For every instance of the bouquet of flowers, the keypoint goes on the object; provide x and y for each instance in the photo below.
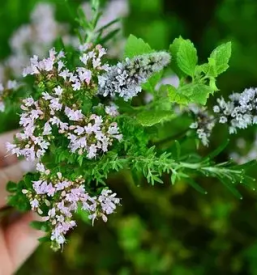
(84, 116)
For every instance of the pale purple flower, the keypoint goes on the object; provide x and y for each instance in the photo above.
(47, 129)
(92, 150)
(34, 204)
(50, 190)
(58, 91)
(74, 115)
(76, 86)
(112, 110)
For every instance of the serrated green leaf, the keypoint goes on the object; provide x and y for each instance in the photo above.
(174, 47)
(189, 93)
(176, 97)
(221, 56)
(150, 118)
(197, 93)
(136, 46)
(187, 57)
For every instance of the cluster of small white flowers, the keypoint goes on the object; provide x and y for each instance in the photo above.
(240, 111)
(31, 144)
(4, 90)
(92, 137)
(80, 78)
(87, 135)
(47, 65)
(71, 196)
(203, 125)
(125, 78)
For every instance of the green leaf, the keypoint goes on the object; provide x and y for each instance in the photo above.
(44, 239)
(231, 188)
(174, 47)
(20, 202)
(189, 93)
(178, 149)
(244, 166)
(187, 57)
(11, 187)
(100, 30)
(217, 151)
(136, 46)
(80, 160)
(173, 177)
(220, 58)
(177, 97)
(109, 36)
(198, 93)
(150, 118)
(152, 82)
(43, 226)
(196, 186)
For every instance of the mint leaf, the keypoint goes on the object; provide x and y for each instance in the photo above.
(209, 69)
(174, 48)
(187, 57)
(221, 56)
(152, 82)
(136, 46)
(150, 118)
(189, 93)
(177, 97)
(197, 93)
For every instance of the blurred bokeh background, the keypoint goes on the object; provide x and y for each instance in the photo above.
(162, 229)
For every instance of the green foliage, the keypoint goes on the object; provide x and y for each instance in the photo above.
(218, 61)
(186, 56)
(157, 230)
(136, 46)
(150, 118)
(203, 77)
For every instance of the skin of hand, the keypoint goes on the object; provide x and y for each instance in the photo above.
(17, 239)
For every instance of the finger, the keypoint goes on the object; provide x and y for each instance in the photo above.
(10, 173)
(21, 240)
(6, 159)
(6, 267)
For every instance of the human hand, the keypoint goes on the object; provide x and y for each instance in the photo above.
(17, 239)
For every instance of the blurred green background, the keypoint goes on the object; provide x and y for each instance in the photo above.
(165, 229)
